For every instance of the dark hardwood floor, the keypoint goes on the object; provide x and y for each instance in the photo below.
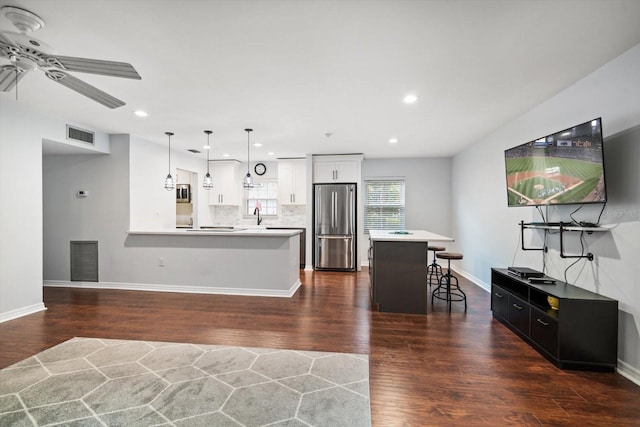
(439, 369)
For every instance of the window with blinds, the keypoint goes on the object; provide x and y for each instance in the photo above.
(384, 204)
(267, 195)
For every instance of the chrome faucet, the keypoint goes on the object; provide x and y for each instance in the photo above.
(256, 211)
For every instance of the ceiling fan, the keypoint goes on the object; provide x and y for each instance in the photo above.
(26, 54)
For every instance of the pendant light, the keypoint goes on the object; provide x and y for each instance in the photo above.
(207, 183)
(169, 183)
(247, 181)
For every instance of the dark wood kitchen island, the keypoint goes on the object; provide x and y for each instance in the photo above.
(397, 268)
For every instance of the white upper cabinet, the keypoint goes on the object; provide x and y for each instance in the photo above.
(226, 189)
(292, 182)
(337, 168)
(183, 176)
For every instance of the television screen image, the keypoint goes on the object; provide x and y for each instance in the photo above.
(566, 167)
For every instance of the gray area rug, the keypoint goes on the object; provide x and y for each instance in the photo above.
(102, 382)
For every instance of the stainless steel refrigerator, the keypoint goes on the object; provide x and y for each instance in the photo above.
(335, 227)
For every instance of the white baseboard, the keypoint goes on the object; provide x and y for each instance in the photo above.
(176, 288)
(24, 311)
(629, 372)
(475, 280)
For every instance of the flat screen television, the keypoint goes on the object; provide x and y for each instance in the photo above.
(566, 167)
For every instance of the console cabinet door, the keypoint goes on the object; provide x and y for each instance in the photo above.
(500, 302)
(519, 314)
(544, 331)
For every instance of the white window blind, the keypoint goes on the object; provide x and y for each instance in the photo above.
(384, 204)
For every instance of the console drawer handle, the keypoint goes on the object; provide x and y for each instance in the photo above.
(542, 323)
(498, 295)
(517, 306)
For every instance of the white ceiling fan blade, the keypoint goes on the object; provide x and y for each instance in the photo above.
(94, 66)
(8, 78)
(84, 89)
(5, 39)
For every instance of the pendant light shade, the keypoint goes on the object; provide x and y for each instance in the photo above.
(247, 181)
(169, 183)
(207, 182)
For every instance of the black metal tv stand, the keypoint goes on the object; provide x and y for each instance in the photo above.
(561, 227)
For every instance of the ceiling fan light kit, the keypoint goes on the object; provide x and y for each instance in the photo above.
(22, 19)
(20, 50)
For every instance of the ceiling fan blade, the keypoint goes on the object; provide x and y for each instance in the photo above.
(94, 66)
(8, 78)
(5, 39)
(84, 88)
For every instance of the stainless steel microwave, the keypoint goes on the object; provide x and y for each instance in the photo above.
(183, 193)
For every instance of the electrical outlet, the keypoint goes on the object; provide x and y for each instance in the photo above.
(161, 262)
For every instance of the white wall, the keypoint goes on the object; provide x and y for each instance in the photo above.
(22, 132)
(125, 192)
(487, 232)
(20, 214)
(427, 191)
(102, 216)
(153, 207)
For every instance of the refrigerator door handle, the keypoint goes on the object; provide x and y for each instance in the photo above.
(337, 216)
(351, 213)
(335, 237)
(333, 209)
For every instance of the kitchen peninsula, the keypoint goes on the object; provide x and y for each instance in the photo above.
(249, 261)
(397, 268)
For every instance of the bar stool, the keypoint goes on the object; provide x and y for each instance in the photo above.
(434, 270)
(447, 290)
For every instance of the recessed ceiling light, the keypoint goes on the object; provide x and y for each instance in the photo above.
(271, 153)
(206, 147)
(410, 98)
(141, 113)
(393, 140)
(225, 155)
(257, 144)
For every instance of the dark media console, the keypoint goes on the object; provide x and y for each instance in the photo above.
(581, 334)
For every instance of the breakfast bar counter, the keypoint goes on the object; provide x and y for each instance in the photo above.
(252, 261)
(397, 268)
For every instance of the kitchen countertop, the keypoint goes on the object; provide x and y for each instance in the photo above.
(240, 232)
(411, 236)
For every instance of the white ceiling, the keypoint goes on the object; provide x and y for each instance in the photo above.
(295, 70)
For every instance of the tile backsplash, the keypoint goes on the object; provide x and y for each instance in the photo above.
(290, 216)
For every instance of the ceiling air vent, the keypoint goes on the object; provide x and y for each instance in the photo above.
(193, 150)
(80, 135)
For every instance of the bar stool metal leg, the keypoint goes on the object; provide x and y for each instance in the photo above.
(449, 289)
(434, 270)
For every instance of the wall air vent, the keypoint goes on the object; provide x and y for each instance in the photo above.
(84, 261)
(80, 135)
(193, 150)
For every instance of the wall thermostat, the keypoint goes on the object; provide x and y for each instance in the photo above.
(82, 193)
